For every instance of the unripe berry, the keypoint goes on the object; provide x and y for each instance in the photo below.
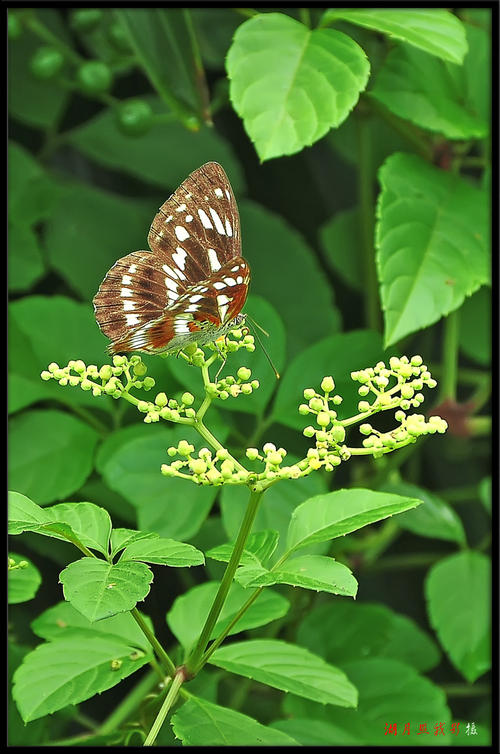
(94, 77)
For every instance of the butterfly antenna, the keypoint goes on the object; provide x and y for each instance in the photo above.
(254, 323)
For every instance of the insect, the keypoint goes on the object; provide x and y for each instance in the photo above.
(191, 285)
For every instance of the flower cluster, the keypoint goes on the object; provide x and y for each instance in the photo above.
(204, 467)
(231, 387)
(398, 385)
(106, 380)
(232, 342)
(330, 434)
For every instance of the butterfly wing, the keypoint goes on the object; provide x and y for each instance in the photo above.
(193, 276)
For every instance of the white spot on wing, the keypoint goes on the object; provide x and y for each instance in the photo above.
(181, 208)
(170, 271)
(179, 257)
(181, 232)
(195, 298)
(214, 260)
(229, 229)
(189, 218)
(239, 279)
(132, 319)
(125, 292)
(218, 223)
(205, 220)
(132, 268)
(127, 280)
(230, 281)
(222, 302)
(219, 286)
(128, 306)
(218, 192)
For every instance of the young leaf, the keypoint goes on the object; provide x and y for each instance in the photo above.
(70, 671)
(89, 522)
(259, 548)
(291, 84)
(424, 90)
(325, 517)
(98, 589)
(163, 552)
(48, 439)
(24, 514)
(458, 594)
(201, 723)
(434, 30)
(189, 611)
(432, 243)
(289, 668)
(23, 583)
(309, 572)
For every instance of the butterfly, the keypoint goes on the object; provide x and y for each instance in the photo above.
(191, 285)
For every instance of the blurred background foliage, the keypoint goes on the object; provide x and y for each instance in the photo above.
(109, 110)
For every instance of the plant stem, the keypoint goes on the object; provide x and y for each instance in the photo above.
(129, 704)
(367, 210)
(165, 660)
(194, 662)
(170, 699)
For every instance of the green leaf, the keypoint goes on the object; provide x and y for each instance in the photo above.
(201, 723)
(163, 552)
(62, 621)
(432, 243)
(99, 228)
(187, 615)
(24, 514)
(334, 514)
(70, 671)
(289, 668)
(32, 193)
(65, 330)
(388, 691)
(485, 493)
(342, 242)
(309, 572)
(343, 631)
(23, 583)
(98, 589)
(89, 522)
(291, 84)
(435, 519)
(420, 88)
(266, 316)
(162, 42)
(120, 538)
(263, 233)
(310, 732)
(337, 355)
(32, 101)
(146, 159)
(475, 326)
(51, 454)
(434, 30)
(130, 462)
(458, 594)
(26, 264)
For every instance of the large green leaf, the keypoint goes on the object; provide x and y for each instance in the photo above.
(45, 329)
(342, 241)
(432, 243)
(434, 30)
(90, 523)
(130, 462)
(475, 326)
(389, 692)
(201, 723)
(430, 93)
(163, 552)
(337, 355)
(50, 454)
(22, 583)
(162, 41)
(148, 158)
(334, 514)
(291, 84)
(458, 596)
(286, 273)
(343, 631)
(289, 668)
(98, 589)
(70, 671)
(187, 615)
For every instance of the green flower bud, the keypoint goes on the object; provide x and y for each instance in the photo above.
(46, 62)
(309, 393)
(407, 391)
(86, 19)
(184, 448)
(244, 374)
(323, 419)
(274, 458)
(337, 400)
(255, 384)
(161, 400)
(223, 395)
(363, 390)
(148, 383)
(316, 404)
(269, 447)
(327, 384)
(363, 406)
(252, 453)
(135, 117)
(308, 431)
(338, 433)
(139, 369)
(198, 466)
(143, 406)
(365, 429)
(227, 468)
(167, 470)
(45, 375)
(416, 361)
(303, 409)
(187, 399)
(94, 77)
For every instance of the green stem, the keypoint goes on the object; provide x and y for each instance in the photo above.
(170, 699)
(305, 17)
(200, 80)
(448, 384)
(38, 28)
(194, 662)
(367, 210)
(129, 704)
(165, 660)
